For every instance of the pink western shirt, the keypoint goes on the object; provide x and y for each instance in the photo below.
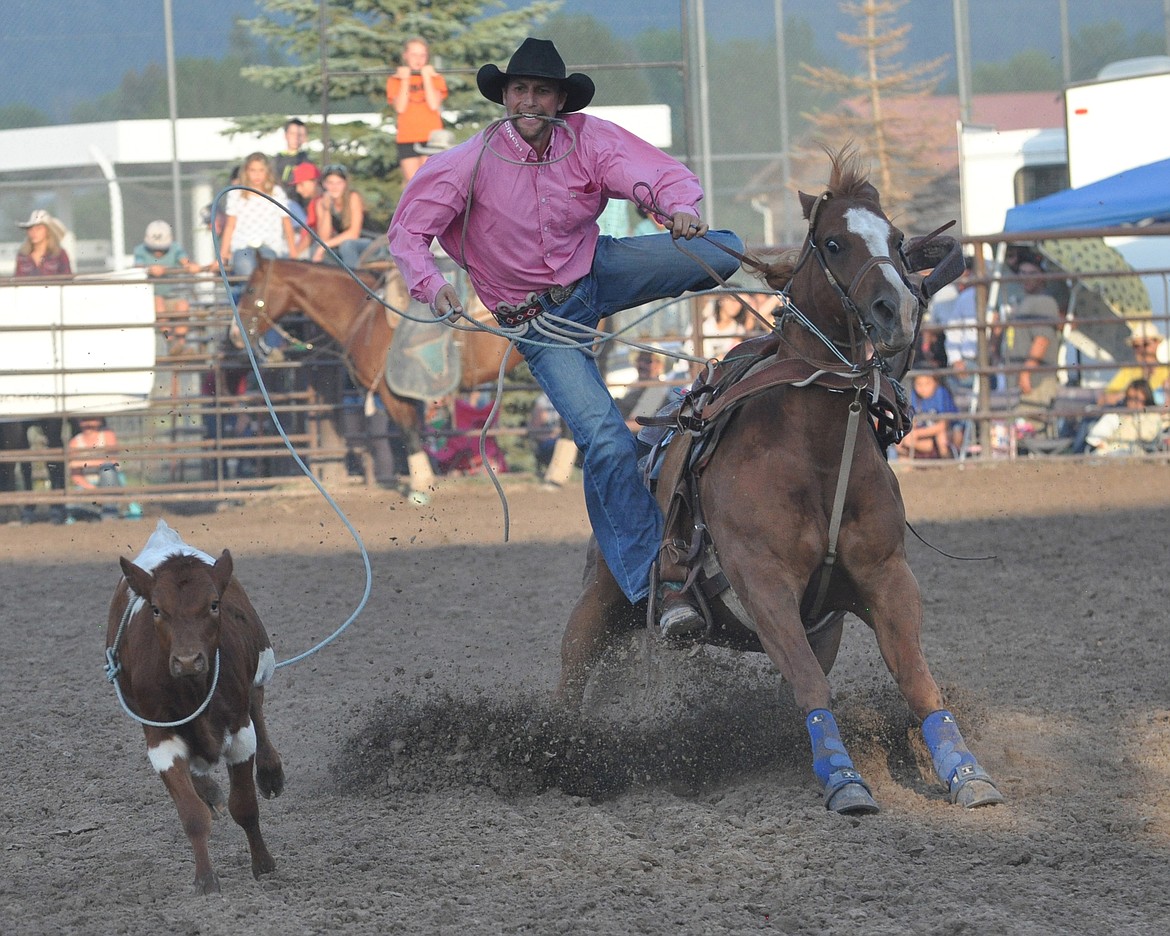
(531, 225)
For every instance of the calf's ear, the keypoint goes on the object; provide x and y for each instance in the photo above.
(141, 581)
(221, 572)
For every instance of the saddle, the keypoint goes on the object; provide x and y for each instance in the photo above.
(685, 435)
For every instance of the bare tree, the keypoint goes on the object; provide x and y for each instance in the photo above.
(884, 107)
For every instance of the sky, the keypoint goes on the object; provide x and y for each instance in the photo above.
(57, 53)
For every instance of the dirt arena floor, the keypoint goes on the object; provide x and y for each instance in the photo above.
(431, 788)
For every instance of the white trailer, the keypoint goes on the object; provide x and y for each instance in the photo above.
(1117, 121)
(1112, 123)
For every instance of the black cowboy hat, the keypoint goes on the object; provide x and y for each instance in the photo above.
(537, 58)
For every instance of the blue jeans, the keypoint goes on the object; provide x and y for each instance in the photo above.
(244, 261)
(244, 264)
(626, 272)
(351, 251)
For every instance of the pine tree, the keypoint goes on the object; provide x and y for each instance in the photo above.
(363, 42)
(883, 108)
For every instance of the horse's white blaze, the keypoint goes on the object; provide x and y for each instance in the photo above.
(163, 756)
(876, 233)
(241, 745)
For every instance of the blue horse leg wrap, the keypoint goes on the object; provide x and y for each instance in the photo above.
(831, 762)
(954, 764)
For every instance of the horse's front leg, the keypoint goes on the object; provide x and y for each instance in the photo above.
(418, 465)
(895, 614)
(405, 414)
(782, 635)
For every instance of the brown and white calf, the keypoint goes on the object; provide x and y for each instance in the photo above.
(190, 610)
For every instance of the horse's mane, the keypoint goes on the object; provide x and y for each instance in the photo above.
(848, 178)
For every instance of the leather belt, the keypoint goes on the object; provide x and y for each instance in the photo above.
(512, 315)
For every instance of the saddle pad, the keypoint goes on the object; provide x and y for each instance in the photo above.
(423, 360)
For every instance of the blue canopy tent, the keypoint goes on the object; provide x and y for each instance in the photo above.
(1137, 196)
(1130, 197)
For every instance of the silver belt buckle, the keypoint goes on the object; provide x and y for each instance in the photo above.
(560, 294)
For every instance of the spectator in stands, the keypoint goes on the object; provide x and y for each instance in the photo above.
(162, 256)
(723, 325)
(646, 223)
(293, 154)
(1031, 341)
(933, 438)
(767, 307)
(932, 346)
(416, 93)
(544, 428)
(454, 448)
(256, 226)
(306, 183)
(341, 212)
(1145, 340)
(953, 311)
(1131, 431)
(652, 394)
(93, 464)
(41, 254)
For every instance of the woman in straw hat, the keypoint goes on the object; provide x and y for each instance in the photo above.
(41, 254)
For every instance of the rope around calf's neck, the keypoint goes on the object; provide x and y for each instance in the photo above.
(113, 668)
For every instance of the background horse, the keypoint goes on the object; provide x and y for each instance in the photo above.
(364, 328)
(806, 522)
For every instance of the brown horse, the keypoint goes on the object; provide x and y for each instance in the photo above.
(804, 516)
(364, 327)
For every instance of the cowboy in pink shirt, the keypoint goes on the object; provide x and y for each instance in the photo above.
(517, 206)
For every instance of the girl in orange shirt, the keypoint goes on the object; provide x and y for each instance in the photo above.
(416, 92)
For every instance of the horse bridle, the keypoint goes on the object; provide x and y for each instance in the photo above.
(260, 314)
(845, 296)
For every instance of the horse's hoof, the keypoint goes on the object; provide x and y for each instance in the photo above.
(978, 793)
(852, 799)
(421, 498)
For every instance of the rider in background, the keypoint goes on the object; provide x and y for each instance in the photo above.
(532, 249)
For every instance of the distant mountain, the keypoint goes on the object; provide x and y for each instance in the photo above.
(56, 54)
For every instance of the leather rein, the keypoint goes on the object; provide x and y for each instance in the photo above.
(868, 380)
